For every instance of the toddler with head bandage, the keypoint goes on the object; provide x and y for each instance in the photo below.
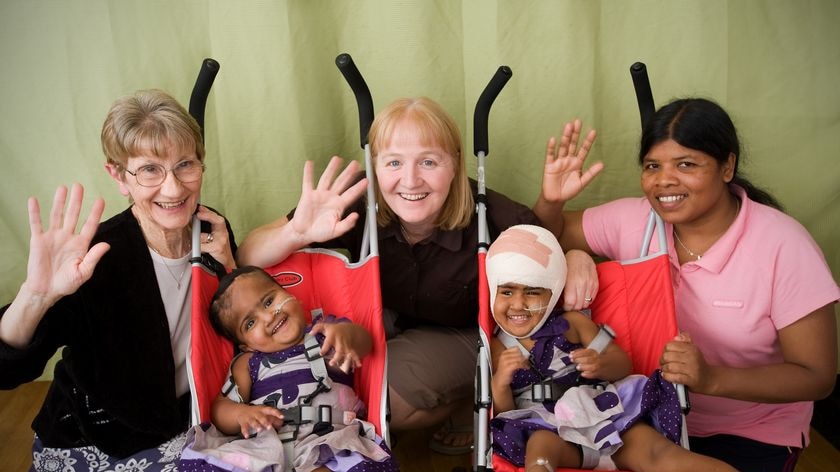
(559, 402)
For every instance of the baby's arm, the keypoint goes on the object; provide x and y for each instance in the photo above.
(506, 362)
(611, 364)
(348, 341)
(234, 418)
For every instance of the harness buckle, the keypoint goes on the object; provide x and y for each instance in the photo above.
(541, 392)
(292, 416)
(324, 424)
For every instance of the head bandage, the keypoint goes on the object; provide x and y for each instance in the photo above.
(531, 256)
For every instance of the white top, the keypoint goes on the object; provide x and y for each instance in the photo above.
(173, 276)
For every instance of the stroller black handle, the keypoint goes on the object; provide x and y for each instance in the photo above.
(201, 89)
(482, 108)
(644, 96)
(360, 90)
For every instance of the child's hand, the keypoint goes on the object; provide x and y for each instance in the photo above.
(589, 363)
(255, 418)
(343, 340)
(682, 362)
(509, 361)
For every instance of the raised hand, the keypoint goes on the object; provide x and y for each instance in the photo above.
(319, 213)
(60, 260)
(563, 175)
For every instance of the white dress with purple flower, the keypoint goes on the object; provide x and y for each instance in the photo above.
(280, 379)
(588, 414)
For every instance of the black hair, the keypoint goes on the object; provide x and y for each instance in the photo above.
(220, 300)
(701, 124)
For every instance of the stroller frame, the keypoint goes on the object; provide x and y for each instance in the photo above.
(299, 274)
(644, 362)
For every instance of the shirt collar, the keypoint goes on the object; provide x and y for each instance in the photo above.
(716, 257)
(450, 240)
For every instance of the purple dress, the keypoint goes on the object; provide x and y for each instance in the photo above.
(281, 378)
(591, 414)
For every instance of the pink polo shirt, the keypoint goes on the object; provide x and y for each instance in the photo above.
(732, 303)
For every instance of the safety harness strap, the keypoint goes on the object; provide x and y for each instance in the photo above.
(590, 458)
(547, 389)
(510, 341)
(316, 360)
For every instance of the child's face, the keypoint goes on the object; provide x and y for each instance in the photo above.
(517, 308)
(263, 316)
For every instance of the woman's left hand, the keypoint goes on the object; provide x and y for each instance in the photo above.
(563, 174)
(216, 241)
(581, 281)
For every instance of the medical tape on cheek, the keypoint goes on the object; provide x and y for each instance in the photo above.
(538, 309)
(279, 307)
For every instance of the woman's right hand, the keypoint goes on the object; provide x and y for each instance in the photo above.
(318, 216)
(60, 260)
(563, 175)
(319, 213)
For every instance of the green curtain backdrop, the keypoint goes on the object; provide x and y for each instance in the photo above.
(279, 98)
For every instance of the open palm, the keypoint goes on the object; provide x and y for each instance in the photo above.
(60, 260)
(563, 175)
(319, 213)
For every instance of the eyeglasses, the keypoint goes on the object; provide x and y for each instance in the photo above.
(152, 175)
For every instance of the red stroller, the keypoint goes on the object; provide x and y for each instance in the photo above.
(635, 299)
(323, 280)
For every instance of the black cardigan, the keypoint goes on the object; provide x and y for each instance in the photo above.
(114, 386)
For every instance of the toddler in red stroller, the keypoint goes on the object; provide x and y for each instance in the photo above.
(561, 390)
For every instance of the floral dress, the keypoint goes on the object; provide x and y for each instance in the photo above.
(280, 379)
(590, 414)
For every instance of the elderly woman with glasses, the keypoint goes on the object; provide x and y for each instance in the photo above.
(116, 294)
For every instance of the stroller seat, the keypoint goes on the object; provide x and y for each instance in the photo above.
(635, 299)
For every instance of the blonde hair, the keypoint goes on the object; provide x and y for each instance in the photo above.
(435, 128)
(148, 121)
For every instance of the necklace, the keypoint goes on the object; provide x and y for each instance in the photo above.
(409, 239)
(185, 242)
(700, 256)
(689, 251)
(177, 278)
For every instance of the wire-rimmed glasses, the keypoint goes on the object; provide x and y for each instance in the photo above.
(152, 175)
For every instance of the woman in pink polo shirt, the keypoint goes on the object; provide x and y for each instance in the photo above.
(754, 294)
